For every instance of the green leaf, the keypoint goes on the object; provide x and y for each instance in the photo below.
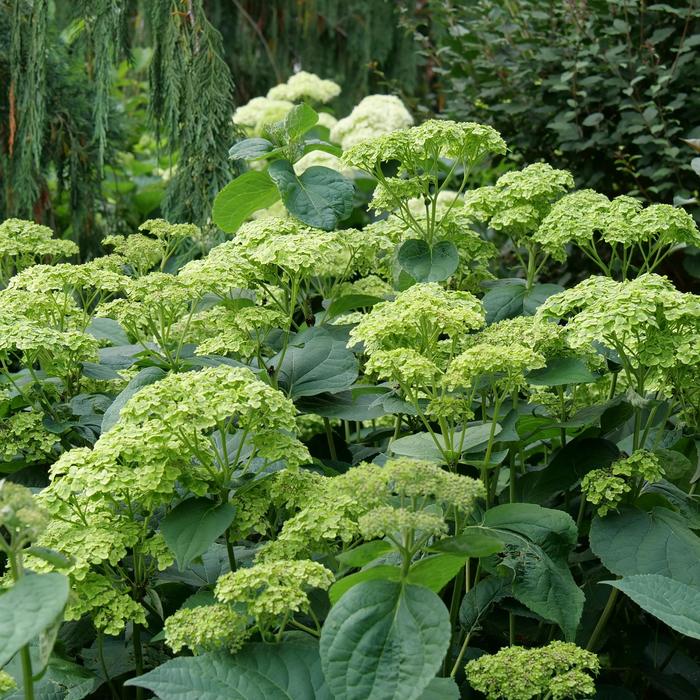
(287, 671)
(62, 680)
(479, 600)
(319, 197)
(240, 198)
(440, 689)
(673, 602)
(351, 301)
(383, 572)
(318, 145)
(384, 640)
(96, 371)
(561, 371)
(56, 559)
(472, 542)
(250, 149)
(634, 542)
(422, 445)
(346, 405)
(428, 264)
(107, 329)
(540, 540)
(299, 120)
(365, 553)
(435, 572)
(28, 608)
(567, 467)
(504, 301)
(146, 376)
(537, 295)
(193, 525)
(322, 364)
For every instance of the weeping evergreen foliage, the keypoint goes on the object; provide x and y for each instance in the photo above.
(361, 44)
(192, 103)
(46, 123)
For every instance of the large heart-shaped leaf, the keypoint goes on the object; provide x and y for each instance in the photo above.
(427, 446)
(425, 263)
(504, 300)
(384, 639)
(287, 671)
(319, 197)
(540, 540)
(28, 608)
(635, 542)
(561, 371)
(673, 602)
(191, 527)
(479, 600)
(321, 365)
(240, 198)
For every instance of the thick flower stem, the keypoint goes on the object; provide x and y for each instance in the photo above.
(603, 620)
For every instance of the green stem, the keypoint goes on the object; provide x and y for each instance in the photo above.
(229, 549)
(460, 656)
(489, 448)
(602, 621)
(329, 437)
(511, 629)
(138, 657)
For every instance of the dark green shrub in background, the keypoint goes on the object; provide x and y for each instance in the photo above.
(607, 89)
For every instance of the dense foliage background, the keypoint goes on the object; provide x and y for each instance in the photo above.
(349, 350)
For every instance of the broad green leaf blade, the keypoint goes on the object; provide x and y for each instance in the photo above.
(383, 572)
(350, 301)
(365, 553)
(249, 149)
(319, 145)
(240, 198)
(673, 602)
(566, 468)
(107, 329)
(299, 120)
(319, 197)
(384, 640)
(479, 599)
(554, 530)
(635, 542)
(540, 539)
(322, 365)
(537, 296)
(441, 689)
(472, 542)
(62, 680)
(561, 371)
(435, 572)
(146, 376)
(428, 264)
(504, 301)
(28, 608)
(191, 527)
(423, 445)
(287, 671)
(346, 405)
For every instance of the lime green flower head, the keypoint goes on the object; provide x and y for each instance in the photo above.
(606, 488)
(305, 85)
(389, 521)
(503, 366)
(417, 318)
(646, 319)
(223, 269)
(21, 514)
(404, 365)
(7, 683)
(23, 434)
(205, 628)
(260, 112)
(273, 590)
(519, 200)
(515, 673)
(140, 252)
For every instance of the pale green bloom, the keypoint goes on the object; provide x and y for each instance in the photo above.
(304, 85)
(259, 112)
(388, 521)
(24, 434)
(606, 488)
(206, 628)
(516, 673)
(7, 683)
(373, 116)
(272, 590)
(21, 514)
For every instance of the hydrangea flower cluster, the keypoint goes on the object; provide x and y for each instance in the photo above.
(374, 116)
(305, 86)
(637, 237)
(560, 669)
(607, 488)
(24, 243)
